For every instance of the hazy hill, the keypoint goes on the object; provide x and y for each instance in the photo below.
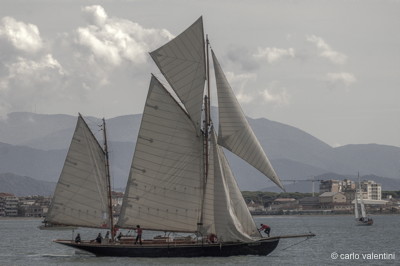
(26, 161)
(39, 144)
(25, 186)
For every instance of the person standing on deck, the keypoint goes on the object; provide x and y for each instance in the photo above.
(139, 234)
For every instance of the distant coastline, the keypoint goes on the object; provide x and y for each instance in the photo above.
(10, 218)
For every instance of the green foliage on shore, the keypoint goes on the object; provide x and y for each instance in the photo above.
(394, 194)
(260, 197)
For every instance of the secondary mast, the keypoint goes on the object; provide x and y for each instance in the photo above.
(109, 195)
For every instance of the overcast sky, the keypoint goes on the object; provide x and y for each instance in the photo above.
(330, 68)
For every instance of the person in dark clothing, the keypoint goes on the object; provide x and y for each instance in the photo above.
(119, 236)
(78, 239)
(139, 234)
(266, 229)
(98, 238)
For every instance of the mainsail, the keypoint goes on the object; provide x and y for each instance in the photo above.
(80, 198)
(182, 62)
(163, 191)
(235, 133)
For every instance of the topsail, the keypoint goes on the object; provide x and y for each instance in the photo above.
(182, 62)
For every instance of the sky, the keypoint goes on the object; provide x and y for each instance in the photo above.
(330, 68)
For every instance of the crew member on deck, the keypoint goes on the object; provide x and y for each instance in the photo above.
(99, 238)
(212, 238)
(78, 238)
(139, 234)
(266, 229)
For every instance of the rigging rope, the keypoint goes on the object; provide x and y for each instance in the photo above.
(295, 244)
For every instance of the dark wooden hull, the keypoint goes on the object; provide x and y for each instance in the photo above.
(365, 223)
(262, 247)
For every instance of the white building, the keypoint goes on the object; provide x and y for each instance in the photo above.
(371, 190)
(8, 204)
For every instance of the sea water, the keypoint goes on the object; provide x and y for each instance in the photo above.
(338, 242)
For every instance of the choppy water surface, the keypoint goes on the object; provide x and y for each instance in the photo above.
(338, 242)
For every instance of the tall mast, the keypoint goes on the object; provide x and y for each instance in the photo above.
(207, 101)
(108, 181)
(206, 125)
(208, 84)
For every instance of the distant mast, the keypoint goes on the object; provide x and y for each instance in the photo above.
(108, 181)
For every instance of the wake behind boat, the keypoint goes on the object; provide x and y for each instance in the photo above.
(180, 180)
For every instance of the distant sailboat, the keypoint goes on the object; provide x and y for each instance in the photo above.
(361, 218)
(180, 180)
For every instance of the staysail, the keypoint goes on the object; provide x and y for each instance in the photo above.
(235, 133)
(231, 216)
(182, 62)
(80, 197)
(164, 186)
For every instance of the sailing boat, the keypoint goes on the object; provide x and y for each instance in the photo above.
(180, 180)
(361, 218)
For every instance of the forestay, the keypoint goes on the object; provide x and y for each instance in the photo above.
(164, 185)
(80, 198)
(235, 133)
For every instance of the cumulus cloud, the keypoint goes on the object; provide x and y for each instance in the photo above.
(113, 40)
(344, 78)
(276, 95)
(273, 54)
(243, 57)
(29, 82)
(326, 51)
(240, 83)
(22, 36)
(95, 15)
(102, 55)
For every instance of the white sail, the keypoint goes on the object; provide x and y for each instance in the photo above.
(182, 63)
(362, 207)
(356, 212)
(164, 186)
(232, 219)
(235, 133)
(80, 197)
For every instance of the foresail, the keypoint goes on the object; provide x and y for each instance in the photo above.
(164, 185)
(182, 62)
(356, 212)
(232, 219)
(80, 197)
(362, 206)
(235, 133)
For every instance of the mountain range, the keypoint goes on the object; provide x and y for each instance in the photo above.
(35, 145)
